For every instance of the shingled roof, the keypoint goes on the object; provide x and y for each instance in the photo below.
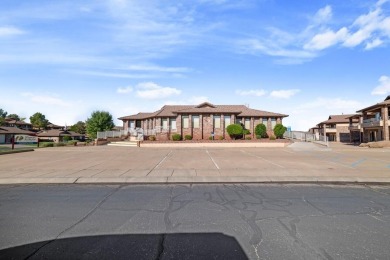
(206, 107)
(14, 130)
(339, 119)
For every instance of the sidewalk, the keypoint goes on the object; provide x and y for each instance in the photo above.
(297, 163)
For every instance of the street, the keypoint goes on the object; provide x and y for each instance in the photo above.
(262, 221)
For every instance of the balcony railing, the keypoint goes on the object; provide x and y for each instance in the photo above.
(372, 122)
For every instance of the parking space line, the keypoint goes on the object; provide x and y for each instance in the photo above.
(358, 162)
(212, 159)
(288, 151)
(268, 161)
(155, 167)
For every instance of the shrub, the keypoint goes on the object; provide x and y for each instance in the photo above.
(66, 138)
(176, 137)
(246, 132)
(152, 138)
(235, 130)
(248, 138)
(279, 130)
(210, 138)
(73, 142)
(188, 137)
(272, 138)
(47, 144)
(221, 138)
(258, 136)
(261, 130)
(60, 144)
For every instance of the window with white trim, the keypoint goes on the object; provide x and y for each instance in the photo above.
(217, 121)
(227, 120)
(185, 121)
(195, 122)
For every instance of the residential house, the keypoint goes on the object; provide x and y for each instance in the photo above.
(336, 128)
(201, 122)
(7, 132)
(375, 122)
(57, 135)
(12, 122)
(51, 126)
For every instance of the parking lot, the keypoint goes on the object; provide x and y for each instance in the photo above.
(125, 164)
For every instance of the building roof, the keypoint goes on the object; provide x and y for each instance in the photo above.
(51, 125)
(386, 102)
(14, 130)
(15, 122)
(339, 119)
(206, 107)
(57, 133)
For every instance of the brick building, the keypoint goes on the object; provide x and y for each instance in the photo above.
(199, 121)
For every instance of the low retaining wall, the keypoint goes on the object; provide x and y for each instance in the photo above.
(233, 144)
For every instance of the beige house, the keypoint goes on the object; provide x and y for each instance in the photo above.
(336, 128)
(57, 135)
(375, 122)
(199, 121)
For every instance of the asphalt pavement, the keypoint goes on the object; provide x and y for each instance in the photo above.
(237, 221)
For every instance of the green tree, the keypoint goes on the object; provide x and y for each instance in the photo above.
(261, 131)
(279, 130)
(98, 122)
(3, 114)
(235, 130)
(14, 116)
(79, 127)
(38, 120)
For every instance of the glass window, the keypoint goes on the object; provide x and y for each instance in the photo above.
(217, 121)
(238, 120)
(227, 120)
(265, 121)
(164, 123)
(273, 123)
(185, 122)
(132, 124)
(173, 123)
(247, 123)
(195, 122)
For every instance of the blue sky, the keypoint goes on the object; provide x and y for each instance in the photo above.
(305, 58)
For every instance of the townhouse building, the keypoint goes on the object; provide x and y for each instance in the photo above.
(200, 121)
(375, 122)
(336, 128)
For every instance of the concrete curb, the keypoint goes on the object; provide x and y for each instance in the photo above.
(199, 180)
(17, 151)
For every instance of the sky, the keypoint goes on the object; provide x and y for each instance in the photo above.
(308, 59)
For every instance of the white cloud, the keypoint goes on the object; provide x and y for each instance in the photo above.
(337, 104)
(371, 29)
(384, 86)
(324, 40)
(375, 43)
(46, 100)
(252, 92)
(156, 68)
(307, 115)
(284, 93)
(6, 31)
(124, 90)
(150, 90)
(323, 15)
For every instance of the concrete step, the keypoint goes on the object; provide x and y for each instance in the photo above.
(125, 143)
